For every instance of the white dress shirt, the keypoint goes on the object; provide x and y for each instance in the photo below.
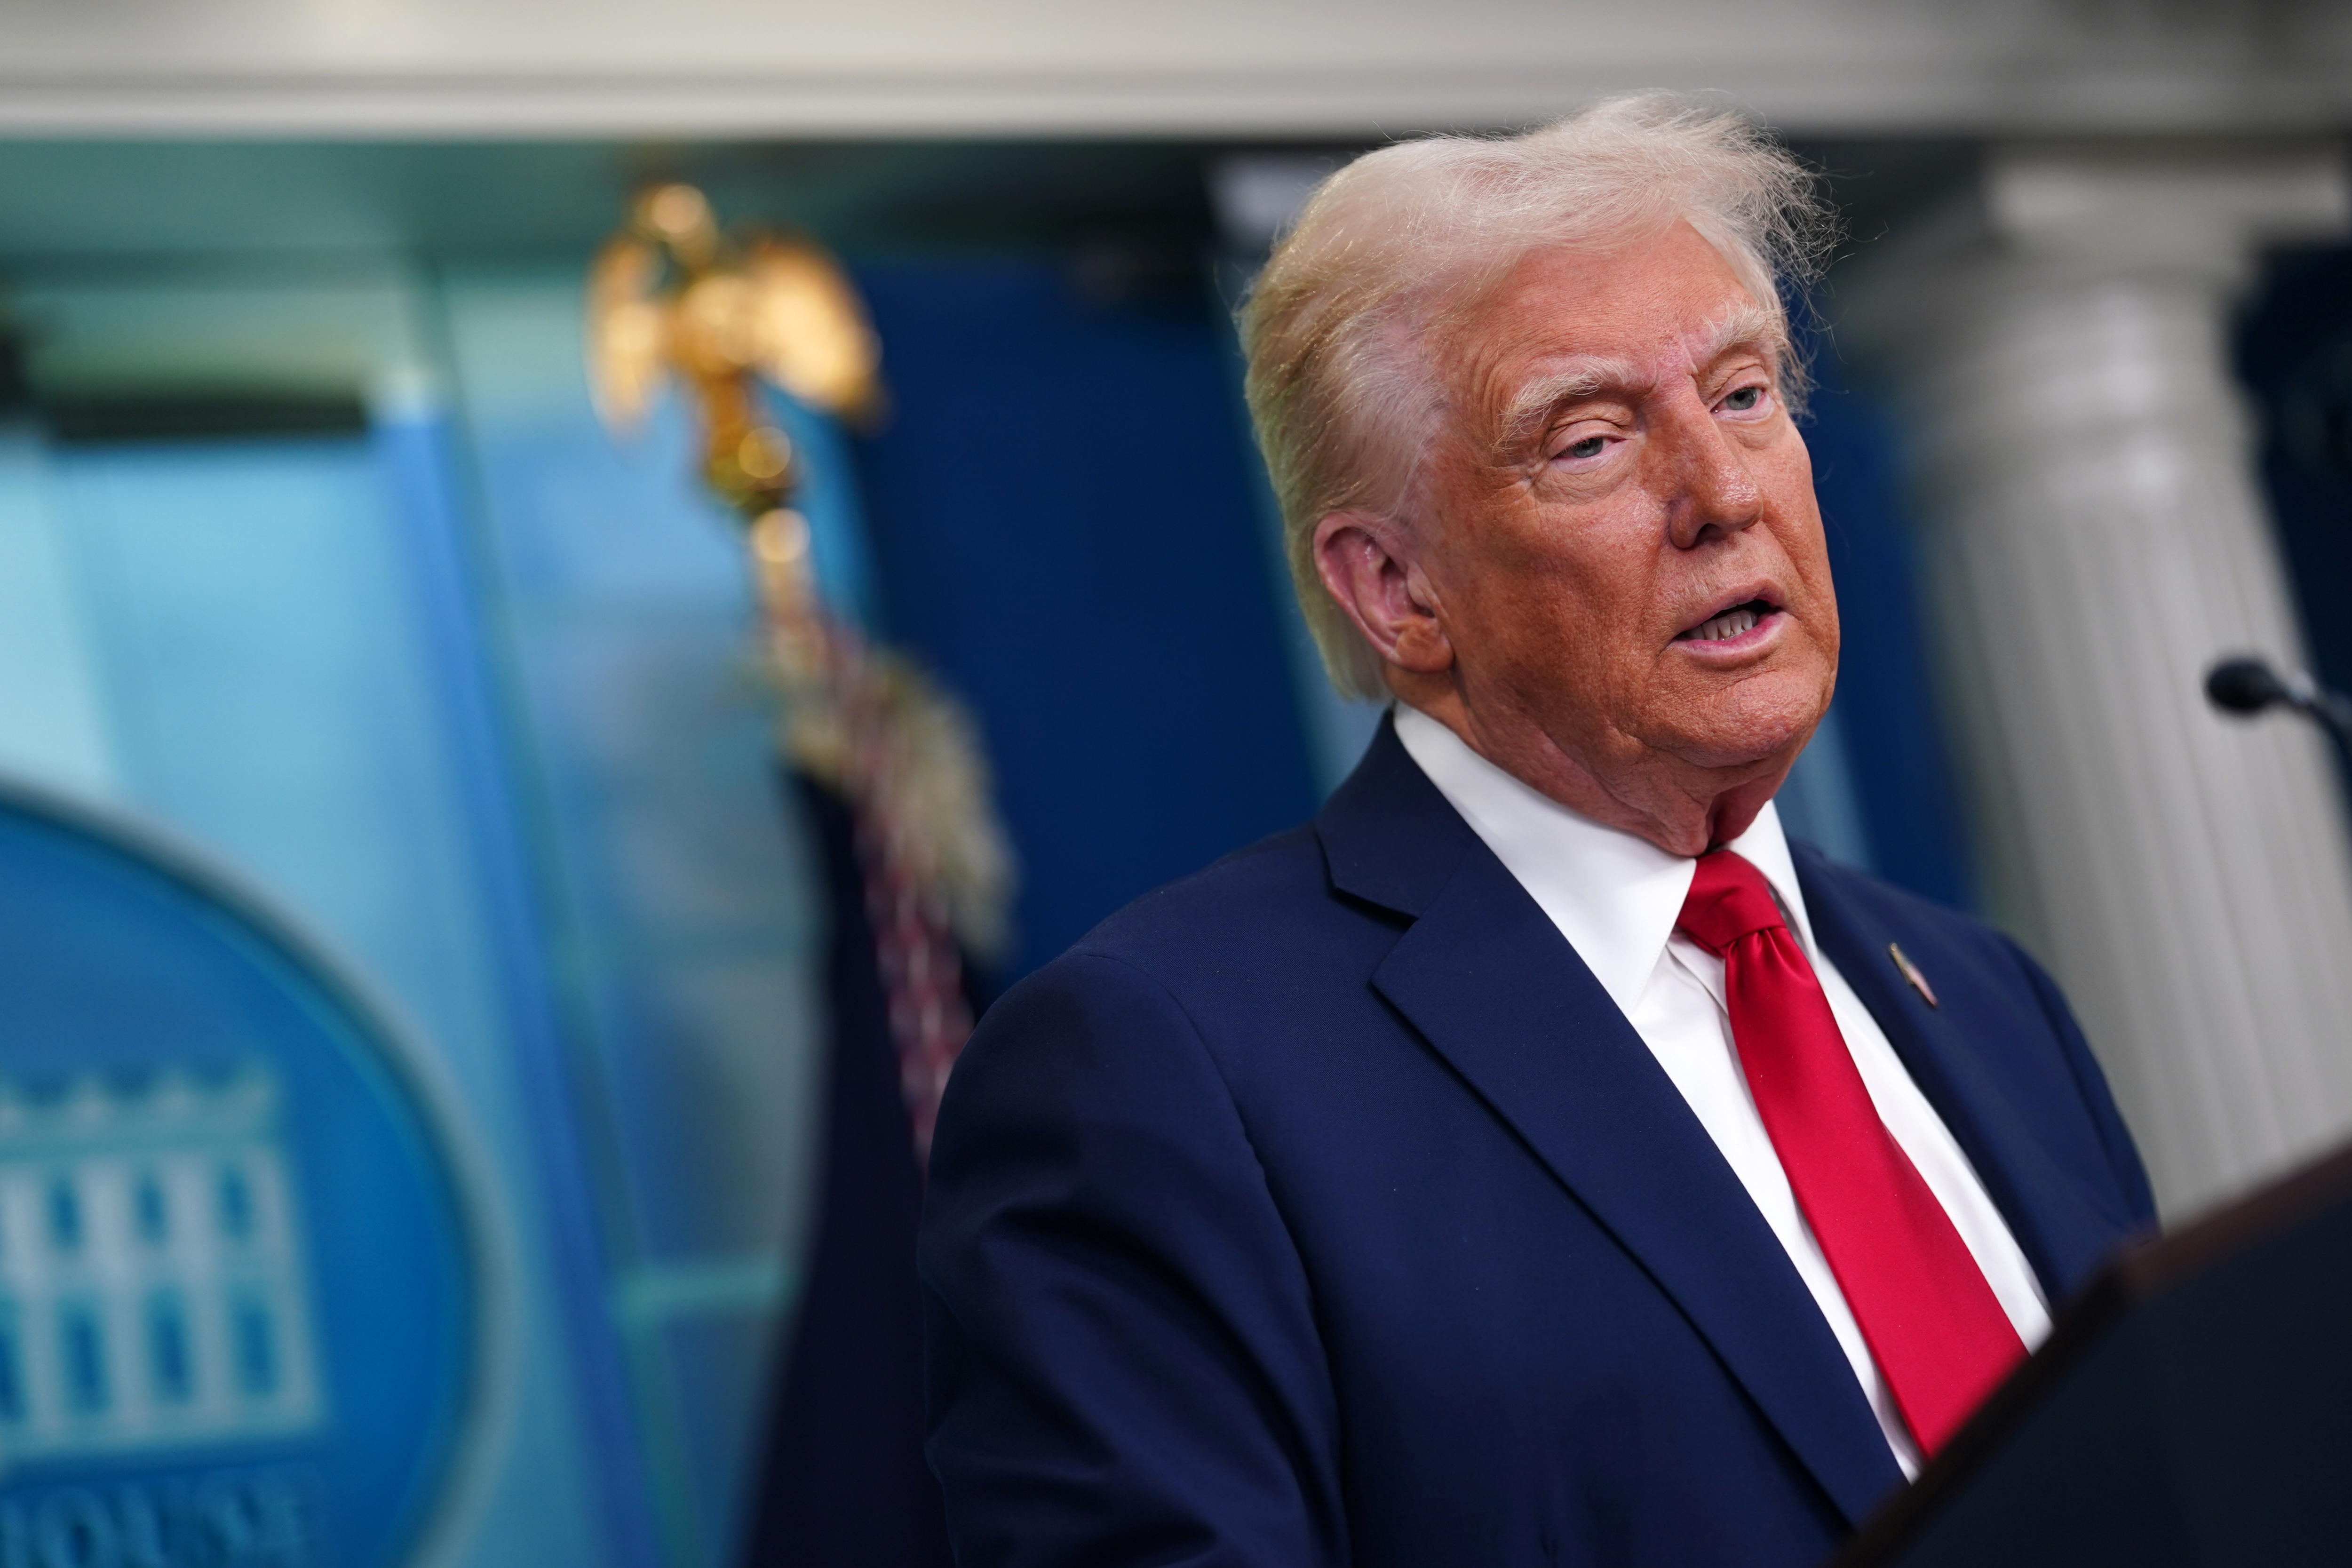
(1616, 899)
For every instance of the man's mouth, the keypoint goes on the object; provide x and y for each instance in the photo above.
(1735, 622)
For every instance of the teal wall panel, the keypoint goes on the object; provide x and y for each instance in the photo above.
(617, 597)
(471, 696)
(271, 700)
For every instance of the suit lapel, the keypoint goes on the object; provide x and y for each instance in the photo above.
(2060, 1222)
(1495, 988)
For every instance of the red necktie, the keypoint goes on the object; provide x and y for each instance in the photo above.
(1934, 1326)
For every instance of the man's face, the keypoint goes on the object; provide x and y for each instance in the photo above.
(1626, 549)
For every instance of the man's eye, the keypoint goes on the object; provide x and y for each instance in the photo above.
(1590, 447)
(1745, 400)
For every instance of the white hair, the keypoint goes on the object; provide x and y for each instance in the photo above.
(1403, 240)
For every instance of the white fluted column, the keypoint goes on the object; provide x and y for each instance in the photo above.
(2098, 540)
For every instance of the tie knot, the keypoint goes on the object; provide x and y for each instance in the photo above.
(1729, 900)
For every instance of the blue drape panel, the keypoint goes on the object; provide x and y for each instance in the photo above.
(1062, 519)
(2294, 350)
(1892, 740)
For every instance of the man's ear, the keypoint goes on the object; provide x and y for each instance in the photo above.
(1368, 567)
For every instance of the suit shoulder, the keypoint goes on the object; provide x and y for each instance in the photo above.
(1896, 905)
(1233, 918)
(1943, 942)
(1265, 891)
(1122, 1002)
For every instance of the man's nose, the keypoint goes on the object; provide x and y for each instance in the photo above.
(1709, 491)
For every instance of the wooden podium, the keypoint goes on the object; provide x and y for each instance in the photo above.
(2193, 1407)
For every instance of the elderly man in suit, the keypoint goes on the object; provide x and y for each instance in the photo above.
(1538, 1158)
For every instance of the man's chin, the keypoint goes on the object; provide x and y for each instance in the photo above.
(1747, 744)
(1752, 724)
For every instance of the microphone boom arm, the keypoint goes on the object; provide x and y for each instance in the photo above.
(2248, 686)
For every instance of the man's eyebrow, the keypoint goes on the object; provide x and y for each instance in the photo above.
(1578, 378)
(1750, 326)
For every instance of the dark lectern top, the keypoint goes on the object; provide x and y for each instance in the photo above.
(2193, 1407)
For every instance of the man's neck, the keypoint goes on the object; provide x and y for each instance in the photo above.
(1681, 808)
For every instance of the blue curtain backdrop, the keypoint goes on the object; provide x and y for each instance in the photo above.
(1064, 528)
(1897, 767)
(2294, 350)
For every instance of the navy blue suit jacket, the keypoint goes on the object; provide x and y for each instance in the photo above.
(1323, 1209)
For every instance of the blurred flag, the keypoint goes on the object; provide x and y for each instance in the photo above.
(841, 1482)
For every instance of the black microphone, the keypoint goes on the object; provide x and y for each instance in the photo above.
(2243, 686)
(2247, 686)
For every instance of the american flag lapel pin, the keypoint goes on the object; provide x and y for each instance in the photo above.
(1910, 972)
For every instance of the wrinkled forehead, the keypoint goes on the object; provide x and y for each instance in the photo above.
(1562, 319)
(1655, 286)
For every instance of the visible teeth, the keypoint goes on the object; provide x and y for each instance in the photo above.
(1731, 623)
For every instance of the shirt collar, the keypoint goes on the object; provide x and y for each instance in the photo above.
(1613, 895)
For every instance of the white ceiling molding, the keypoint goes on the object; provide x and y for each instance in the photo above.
(1314, 68)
